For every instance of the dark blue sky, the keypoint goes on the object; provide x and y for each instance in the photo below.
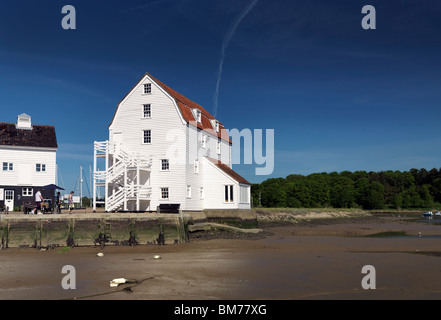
(338, 97)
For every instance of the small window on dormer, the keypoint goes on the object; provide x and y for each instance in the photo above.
(198, 116)
(147, 88)
(216, 126)
(196, 166)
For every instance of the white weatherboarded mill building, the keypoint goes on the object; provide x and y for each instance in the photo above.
(166, 149)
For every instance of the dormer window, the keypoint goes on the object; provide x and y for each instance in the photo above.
(197, 114)
(215, 124)
(147, 88)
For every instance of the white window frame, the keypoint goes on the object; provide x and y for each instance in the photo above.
(196, 165)
(203, 141)
(165, 190)
(198, 116)
(216, 126)
(218, 147)
(228, 193)
(188, 192)
(201, 193)
(27, 192)
(40, 167)
(165, 163)
(9, 166)
(147, 88)
(144, 136)
(9, 195)
(147, 114)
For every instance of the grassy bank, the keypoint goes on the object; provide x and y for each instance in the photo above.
(281, 216)
(314, 216)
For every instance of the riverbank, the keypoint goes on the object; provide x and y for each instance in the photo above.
(320, 259)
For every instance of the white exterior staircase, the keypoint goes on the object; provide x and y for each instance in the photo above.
(119, 166)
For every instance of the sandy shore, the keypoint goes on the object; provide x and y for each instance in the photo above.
(319, 259)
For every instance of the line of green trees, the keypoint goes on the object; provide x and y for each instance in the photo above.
(417, 188)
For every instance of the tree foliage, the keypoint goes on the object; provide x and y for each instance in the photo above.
(417, 188)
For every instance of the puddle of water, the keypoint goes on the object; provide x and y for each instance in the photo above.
(428, 253)
(400, 234)
(424, 253)
(387, 234)
(432, 221)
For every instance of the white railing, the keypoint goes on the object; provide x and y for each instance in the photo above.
(122, 162)
(116, 200)
(114, 172)
(101, 146)
(145, 193)
(100, 175)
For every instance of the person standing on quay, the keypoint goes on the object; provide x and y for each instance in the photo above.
(58, 203)
(71, 205)
(38, 199)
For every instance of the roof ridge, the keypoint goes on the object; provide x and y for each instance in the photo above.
(36, 125)
(227, 170)
(181, 98)
(184, 105)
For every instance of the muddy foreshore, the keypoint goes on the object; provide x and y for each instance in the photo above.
(307, 258)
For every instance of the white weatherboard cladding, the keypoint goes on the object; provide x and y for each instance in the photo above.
(168, 138)
(195, 150)
(174, 139)
(225, 153)
(246, 189)
(214, 186)
(194, 180)
(25, 161)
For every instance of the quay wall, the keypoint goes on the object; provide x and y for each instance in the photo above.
(49, 231)
(107, 229)
(241, 218)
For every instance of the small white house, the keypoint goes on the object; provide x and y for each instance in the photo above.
(28, 160)
(166, 149)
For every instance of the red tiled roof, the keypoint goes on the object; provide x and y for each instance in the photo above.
(38, 137)
(230, 172)
(185, 105)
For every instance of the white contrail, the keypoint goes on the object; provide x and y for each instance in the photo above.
(225, 44)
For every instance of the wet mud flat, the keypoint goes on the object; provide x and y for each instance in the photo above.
(292, 261)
